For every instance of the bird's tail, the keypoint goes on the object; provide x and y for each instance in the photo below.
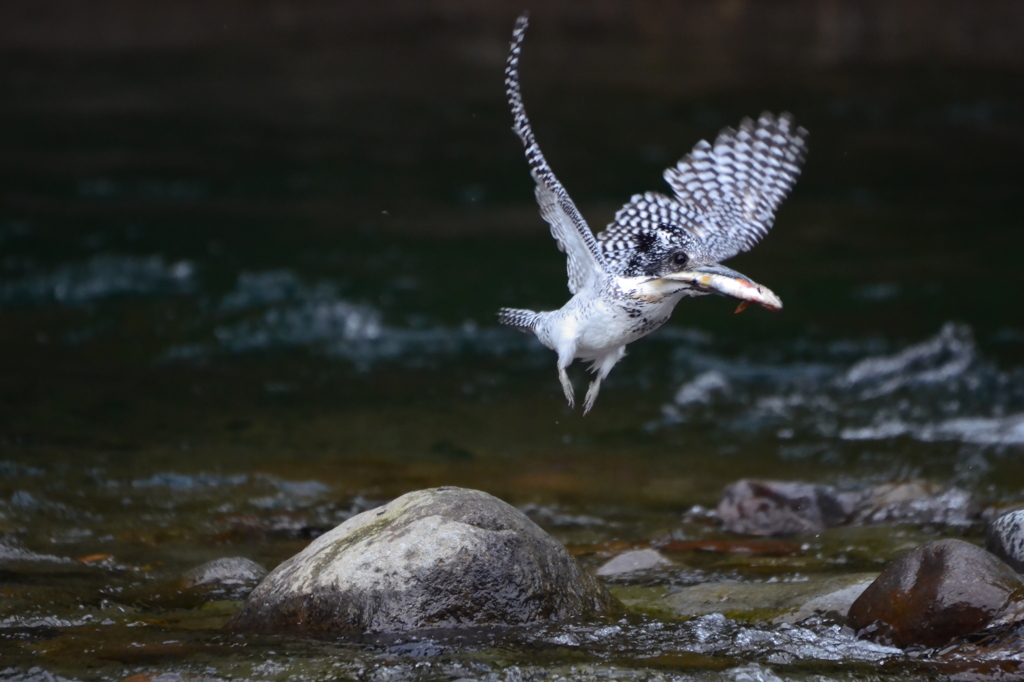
(523, 320)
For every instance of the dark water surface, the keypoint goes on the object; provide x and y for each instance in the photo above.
(249, 289)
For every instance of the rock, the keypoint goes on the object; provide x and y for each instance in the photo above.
(637, 560)
(996, 656)
(916, 502)
(228, 571)
(444, 557)
(934, 593)
(783, 507)
(831, 603)
(1006, 539)
(229, 579)
(13, 557)
(781, 602)
(790, 507)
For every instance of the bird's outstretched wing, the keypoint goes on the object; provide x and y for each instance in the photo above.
(725, 193)
(585, 261)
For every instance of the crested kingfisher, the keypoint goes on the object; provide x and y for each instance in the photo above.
(626, 281)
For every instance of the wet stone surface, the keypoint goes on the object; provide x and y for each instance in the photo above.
(917, 502)
(629, 562)
(782, 507)
(444, 557)
(788, 602)
(945, 589)
(229, 572)
(753, 507)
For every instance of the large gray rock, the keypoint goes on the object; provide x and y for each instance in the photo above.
(444, 557)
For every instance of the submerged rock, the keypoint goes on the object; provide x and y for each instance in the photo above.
(792, 507)
(444, 557)
(229, 579)
(832, 600)
(228, 572)
(782, 507)
(1006, 539)
(916, 502)
(934, 593)
(636, 560)
(779, 602)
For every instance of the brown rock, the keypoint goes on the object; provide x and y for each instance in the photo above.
(782, 507)
(934, 593)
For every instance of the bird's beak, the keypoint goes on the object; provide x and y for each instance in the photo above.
(717, 279)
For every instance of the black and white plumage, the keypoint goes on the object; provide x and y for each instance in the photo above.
(726, 193)
(659, 249)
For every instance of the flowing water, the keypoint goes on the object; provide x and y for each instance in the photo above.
(246, 294)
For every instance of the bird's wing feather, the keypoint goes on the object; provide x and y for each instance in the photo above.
(637, 220)
(585, 260)
(725, 193)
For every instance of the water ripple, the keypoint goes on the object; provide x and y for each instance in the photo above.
(940, 389)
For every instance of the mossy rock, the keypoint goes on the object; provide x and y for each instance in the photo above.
(446, 557)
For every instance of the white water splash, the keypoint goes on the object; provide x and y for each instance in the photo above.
(279, 311)
(100, 277)
(938, 390)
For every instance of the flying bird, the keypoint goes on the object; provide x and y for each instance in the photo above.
(626, 281)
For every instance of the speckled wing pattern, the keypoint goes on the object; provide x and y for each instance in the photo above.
(725, 193)
(585, 260)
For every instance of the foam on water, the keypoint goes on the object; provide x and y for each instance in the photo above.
(276, 310)
(258, 289)
(937, 390)
(716, 635)
(100, 277)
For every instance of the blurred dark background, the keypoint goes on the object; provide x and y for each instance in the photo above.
(216, 217)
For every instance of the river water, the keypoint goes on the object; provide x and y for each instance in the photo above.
(247, 293)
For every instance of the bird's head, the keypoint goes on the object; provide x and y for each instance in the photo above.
(677, 261)
(664, 251)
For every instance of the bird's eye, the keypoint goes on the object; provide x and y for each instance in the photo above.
(680, 258)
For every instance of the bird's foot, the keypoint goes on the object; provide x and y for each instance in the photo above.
(595, 386)
(563, 376)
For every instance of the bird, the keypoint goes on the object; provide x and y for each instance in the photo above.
(658, 249)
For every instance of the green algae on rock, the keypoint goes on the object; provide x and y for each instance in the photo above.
(781, 602)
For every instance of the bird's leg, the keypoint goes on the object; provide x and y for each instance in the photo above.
(566, 354)
(595, 386)
(563, 376)
(602, 367)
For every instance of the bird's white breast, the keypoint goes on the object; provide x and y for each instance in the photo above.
(594, 322)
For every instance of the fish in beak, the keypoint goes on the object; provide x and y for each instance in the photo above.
(717, 279)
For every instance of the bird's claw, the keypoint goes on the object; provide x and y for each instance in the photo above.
(570, 396)
(595, 386)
